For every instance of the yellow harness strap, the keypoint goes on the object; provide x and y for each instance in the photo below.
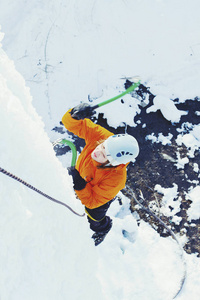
(92, 217)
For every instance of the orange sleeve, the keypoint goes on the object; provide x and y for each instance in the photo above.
(107, 189)
(93, 197)
(85, 128)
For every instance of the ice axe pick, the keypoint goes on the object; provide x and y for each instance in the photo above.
(130, 89)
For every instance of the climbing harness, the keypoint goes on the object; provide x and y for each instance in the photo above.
(131, 193)
(73, 162)
(92, 217)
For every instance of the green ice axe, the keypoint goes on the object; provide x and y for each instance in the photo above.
(130, 89)
(73, 148)
(74, 151)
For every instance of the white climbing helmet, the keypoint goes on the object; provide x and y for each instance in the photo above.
(121, 149)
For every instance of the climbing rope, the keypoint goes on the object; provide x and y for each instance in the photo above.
(38, 191)
(131, 193)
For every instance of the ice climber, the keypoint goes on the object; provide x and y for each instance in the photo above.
(100, 171)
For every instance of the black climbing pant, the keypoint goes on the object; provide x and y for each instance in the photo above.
(97, 218)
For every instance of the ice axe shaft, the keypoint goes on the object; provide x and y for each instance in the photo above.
(130, 89)
(73, 148)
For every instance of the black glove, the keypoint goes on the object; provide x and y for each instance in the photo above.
(79, 182)
(82, 111)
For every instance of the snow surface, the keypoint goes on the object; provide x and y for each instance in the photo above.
(194, 210)
(66, 52)
(167, 108)
(190, 140)
(165, 140)
(42, 255)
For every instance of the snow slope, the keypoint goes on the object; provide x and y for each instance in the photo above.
(42, 254)
(67, 50)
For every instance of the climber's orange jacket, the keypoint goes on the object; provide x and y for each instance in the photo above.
(102, 184)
